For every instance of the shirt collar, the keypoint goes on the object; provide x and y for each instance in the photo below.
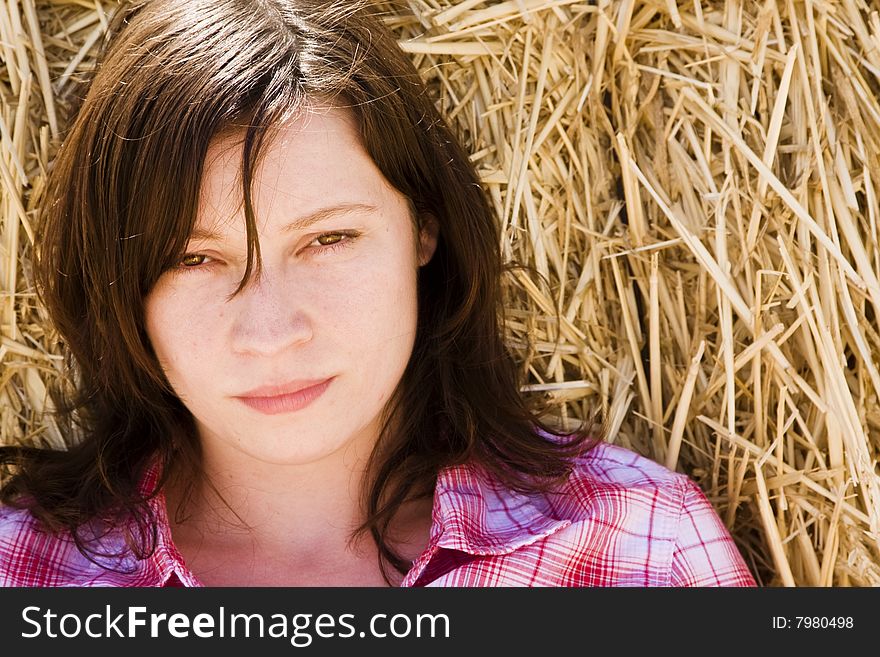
(166, 561)
(476, 514)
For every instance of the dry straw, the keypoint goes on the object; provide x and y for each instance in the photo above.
(696, 185)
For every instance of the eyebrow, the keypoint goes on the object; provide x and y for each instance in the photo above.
(301, 223)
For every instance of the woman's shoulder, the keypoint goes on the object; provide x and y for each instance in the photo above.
(31, 555)
(614, 465)
(630, 488)
(626, 489)
(649, 512)
(21, 544)
(608, 481)
(618, 519)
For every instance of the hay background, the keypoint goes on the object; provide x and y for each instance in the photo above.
(697, 184)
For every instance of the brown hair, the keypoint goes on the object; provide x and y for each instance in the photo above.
(121, 202)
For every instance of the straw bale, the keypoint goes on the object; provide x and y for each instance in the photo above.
(695, 186)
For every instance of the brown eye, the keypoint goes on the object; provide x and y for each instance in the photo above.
(193, 260)
(329, 238)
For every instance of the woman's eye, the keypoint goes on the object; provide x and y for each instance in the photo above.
(193, 260)
(333, 241)
(330, 239)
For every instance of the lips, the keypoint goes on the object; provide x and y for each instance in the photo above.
(286, 398)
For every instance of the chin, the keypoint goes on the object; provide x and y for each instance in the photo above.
(291, 451)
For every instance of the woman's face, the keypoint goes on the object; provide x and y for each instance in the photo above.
(333, 310)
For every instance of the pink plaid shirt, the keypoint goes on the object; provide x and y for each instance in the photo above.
(619, 520)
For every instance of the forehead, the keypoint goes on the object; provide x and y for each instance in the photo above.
(312, 161)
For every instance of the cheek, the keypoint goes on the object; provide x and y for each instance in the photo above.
(386, 312)
(386, 296)
(177, 331)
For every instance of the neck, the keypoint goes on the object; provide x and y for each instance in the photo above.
(294, 521)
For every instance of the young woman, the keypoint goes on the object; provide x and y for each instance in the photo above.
(278, 282)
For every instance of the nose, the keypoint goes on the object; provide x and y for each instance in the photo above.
(270, 315)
